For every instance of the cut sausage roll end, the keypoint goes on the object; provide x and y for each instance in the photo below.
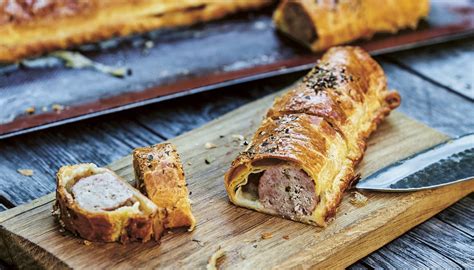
(321, 24)
(160, 176)
(275, 175)
(303, 156)
(98, 205)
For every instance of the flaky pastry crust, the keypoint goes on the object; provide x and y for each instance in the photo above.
(160, 176)
(320, 24)
(33, 27)
(320, 126)
(138, 222)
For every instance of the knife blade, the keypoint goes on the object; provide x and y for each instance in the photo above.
(444, 164)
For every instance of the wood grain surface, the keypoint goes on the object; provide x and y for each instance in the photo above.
(31, 236)
(107, 138)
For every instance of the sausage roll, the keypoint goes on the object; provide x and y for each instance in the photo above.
(96, 204)
(320, 24)
(302, 157)
(36, 26)
(160, 176)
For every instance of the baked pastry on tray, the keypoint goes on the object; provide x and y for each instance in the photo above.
(303, 156)
(37, 26)
(320, 24)
(160, 176)
(96, 204)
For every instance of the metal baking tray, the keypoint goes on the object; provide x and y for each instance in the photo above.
(166, 64)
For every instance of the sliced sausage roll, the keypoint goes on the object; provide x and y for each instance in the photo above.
(96, 204)
(303, 156)
(320, 24)
(160, 176)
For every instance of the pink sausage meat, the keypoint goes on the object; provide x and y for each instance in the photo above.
(288, 191)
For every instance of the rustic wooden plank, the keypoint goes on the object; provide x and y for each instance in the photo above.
(430, 104)
(420, 254)
(408, 253)
(449, 65)
(460, 250)
(358, 266)
(460, 216)
(439, 118)
(229, 229)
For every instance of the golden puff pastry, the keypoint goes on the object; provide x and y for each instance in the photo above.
(303, 156)
(96, 204)
(320, 24)
(29, 28)
(160, 176)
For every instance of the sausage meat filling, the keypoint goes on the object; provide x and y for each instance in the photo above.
(101, 192)
(288, 191)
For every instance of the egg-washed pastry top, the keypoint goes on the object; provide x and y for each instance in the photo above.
(320, 24)
(160, 176)
(33, 27)
(303, 155)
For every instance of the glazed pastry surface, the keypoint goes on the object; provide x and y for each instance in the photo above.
(320, 24)
(303, 156)
(160, 176)
(33, 27)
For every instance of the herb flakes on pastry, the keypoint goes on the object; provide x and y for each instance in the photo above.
(303, 156)
(160, 176)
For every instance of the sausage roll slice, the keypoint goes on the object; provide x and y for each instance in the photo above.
(98, 205)
(160, 176)
(320, 24)
(303, 156)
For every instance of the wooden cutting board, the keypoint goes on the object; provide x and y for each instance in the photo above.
(31, 236)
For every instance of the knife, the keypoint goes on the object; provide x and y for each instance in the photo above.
(444, 164)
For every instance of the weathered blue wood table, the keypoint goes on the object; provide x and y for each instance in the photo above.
(436, 84)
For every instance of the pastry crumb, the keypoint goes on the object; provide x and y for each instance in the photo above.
(358, 199)
(30, 110)
(57, 107)
(26, 172)
(212, 262)
(286, 237)
(266, 235)
(237, 138)
(87, 243)
(209, 145)
(44, 109)
(189, 163)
